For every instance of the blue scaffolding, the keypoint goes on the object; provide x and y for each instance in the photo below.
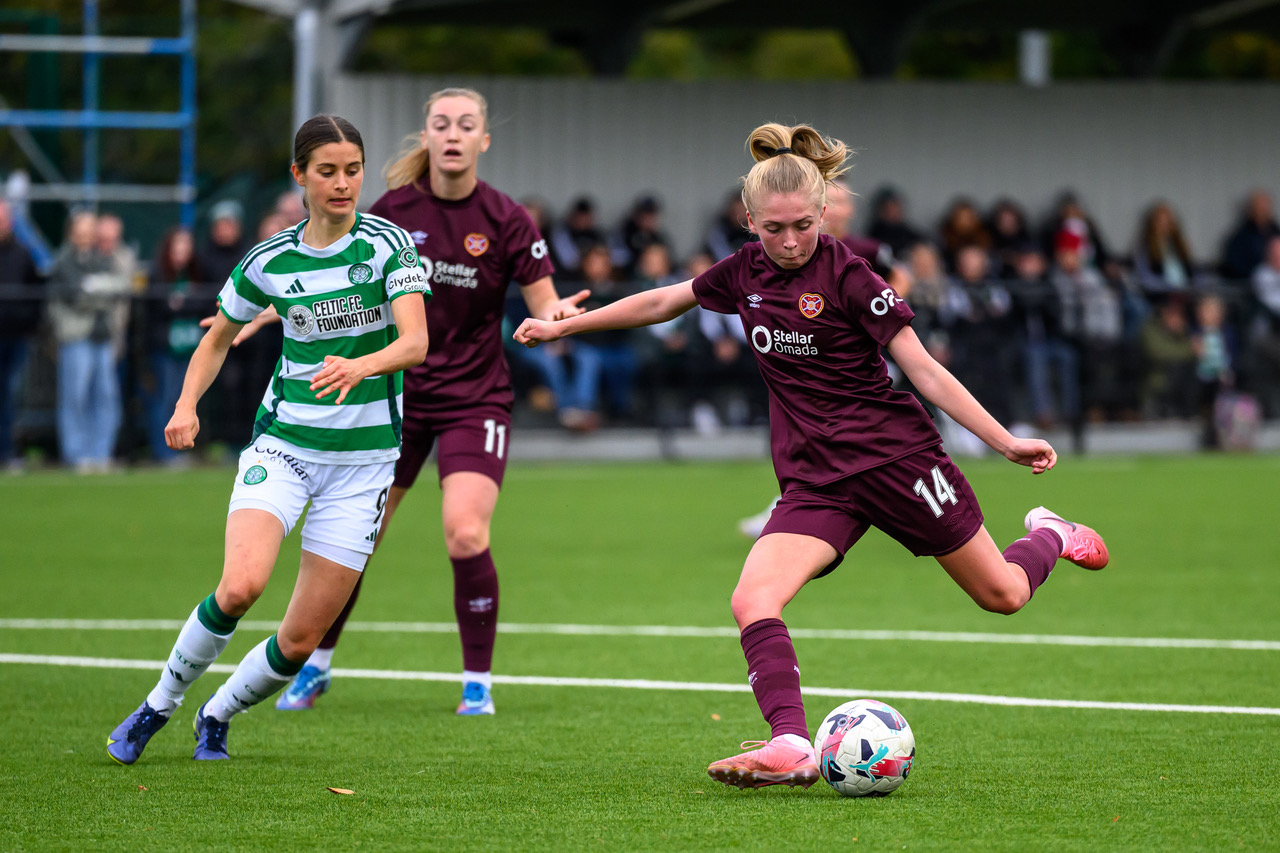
(91, 119)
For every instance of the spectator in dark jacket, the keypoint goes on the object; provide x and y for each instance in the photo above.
(728, 233)
(1246, 248)
(177, 303)
(889, 223)
(19, 317)
(570, 240)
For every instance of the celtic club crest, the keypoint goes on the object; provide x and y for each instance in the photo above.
(359, 273)
(811, 305)
(255, 475)
(476, 244)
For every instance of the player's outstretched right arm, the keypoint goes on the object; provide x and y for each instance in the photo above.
(640, 309)
(206, 361)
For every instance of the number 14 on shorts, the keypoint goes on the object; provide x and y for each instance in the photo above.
(941, 493)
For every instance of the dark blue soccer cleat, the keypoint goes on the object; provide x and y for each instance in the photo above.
(126, 743)
(211, 737)
(306, 687)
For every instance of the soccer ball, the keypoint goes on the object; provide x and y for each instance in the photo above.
(864, 749)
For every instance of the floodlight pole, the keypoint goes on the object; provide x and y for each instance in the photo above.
(306, 34)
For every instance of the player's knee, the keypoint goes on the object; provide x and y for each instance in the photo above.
(1003, 600)
(466, 538)
(297, 644)
(236, 595)
(750, 604)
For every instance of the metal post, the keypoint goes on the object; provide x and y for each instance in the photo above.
(1035, 58)
(187, 155)
(306, 30)
(92, 63)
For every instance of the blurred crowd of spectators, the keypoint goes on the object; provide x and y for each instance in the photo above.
(1043, 321)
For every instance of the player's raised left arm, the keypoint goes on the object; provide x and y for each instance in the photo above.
(942, 389)
(639, 309)
(407, 350)
(545, 304)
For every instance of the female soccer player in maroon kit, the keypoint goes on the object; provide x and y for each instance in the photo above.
(473, 241)
(849, 450)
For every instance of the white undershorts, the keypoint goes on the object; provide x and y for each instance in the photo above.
(347, 501)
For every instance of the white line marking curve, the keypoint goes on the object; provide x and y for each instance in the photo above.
(679, 631)
(689, 686)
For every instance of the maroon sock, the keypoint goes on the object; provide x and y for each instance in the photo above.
(335, 630)
(774, 676)
(475, 601)
(1035, 554)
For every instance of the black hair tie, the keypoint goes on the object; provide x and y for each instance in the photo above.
(783, 150)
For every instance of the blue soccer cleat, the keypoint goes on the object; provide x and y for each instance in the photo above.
(476, 700)
(305, 689)
(211, 737)
(126, 743)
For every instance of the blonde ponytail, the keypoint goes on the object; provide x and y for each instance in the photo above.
(789, 160)
(411, 163)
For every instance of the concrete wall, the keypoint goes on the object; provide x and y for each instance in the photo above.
(1119, 146)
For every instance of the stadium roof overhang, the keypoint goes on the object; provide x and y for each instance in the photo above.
(1141, 35)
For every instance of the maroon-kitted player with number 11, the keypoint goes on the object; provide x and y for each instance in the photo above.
(849, 451)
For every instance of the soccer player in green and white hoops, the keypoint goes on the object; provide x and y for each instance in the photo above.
(351, 290)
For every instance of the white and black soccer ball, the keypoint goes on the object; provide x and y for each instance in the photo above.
(864, 748)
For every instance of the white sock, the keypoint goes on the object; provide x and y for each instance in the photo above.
(798, 742)
(253, 681)
(196, 648)
(485, 678)
(321, 659)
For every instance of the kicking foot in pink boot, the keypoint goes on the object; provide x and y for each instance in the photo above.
(781, 761)
(1081, 545)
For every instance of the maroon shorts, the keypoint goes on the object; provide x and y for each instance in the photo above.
(922, 500)
(478, 443)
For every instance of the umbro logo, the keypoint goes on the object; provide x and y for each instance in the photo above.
(296, 287)
(754, 300)
(419, 237)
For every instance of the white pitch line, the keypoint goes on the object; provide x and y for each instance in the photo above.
(678, 631)
(685, 686)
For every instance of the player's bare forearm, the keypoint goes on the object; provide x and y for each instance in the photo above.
(640, 309)
(409, 349)
(543, 302)
(946, 392)
(207, 360)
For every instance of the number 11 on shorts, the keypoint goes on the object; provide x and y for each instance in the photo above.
(942, 492)
(495, 437)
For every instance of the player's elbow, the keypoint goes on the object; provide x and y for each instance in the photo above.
(417, 346)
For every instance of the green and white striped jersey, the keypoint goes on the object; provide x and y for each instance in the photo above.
(332, 301)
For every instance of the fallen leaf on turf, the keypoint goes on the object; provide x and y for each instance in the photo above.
(715, 716)
(1116, 818)
(142, 787)
(342, 790)
(699, 792)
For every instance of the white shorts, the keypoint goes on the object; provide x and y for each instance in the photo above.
(347, 501)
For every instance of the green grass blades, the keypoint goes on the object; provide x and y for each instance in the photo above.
(590, 766)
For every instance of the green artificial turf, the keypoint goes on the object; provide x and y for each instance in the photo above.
(593, 767)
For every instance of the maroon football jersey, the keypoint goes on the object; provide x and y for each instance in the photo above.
(817, 333)
(471, 249)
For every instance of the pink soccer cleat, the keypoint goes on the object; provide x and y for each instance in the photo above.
(773, 762)
(1081, 545)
